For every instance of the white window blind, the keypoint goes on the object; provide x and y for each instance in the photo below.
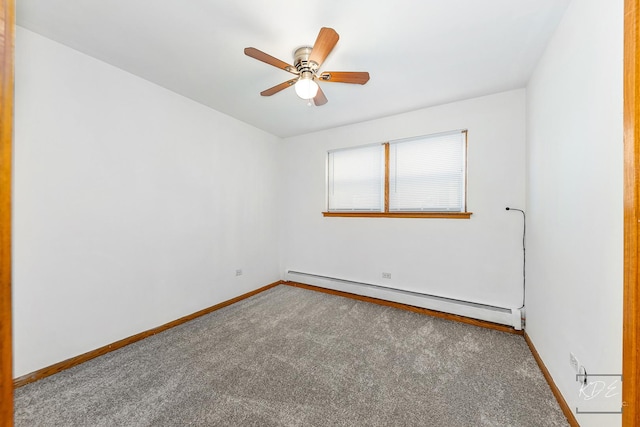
(428, 173)
(356, 179)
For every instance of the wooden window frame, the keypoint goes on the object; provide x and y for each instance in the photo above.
(405, 214)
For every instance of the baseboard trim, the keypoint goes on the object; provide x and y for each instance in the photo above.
(69, 363)
(433, 313)
(568, 413)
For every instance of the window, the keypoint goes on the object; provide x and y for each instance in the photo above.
(356, 179)
(415, 177)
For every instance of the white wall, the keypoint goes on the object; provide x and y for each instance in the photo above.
(134, 206)
(575, 216)
(479, 259)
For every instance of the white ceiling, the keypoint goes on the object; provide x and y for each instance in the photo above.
(418, 53)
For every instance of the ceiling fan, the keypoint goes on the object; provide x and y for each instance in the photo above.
(307, 61)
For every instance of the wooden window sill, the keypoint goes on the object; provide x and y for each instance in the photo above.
(453, 215)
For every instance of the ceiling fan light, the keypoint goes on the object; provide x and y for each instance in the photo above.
(306, 88)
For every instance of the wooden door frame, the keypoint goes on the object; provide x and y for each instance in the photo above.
(630, 311)
(7, 35)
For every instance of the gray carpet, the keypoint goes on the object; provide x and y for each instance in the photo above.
(294, 357)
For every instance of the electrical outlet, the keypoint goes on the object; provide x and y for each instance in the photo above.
(582, 375)
(239, 272)
(574, 362)
(386, 275)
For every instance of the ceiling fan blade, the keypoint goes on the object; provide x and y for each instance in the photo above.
(345, 77)
(278, 88)
(268, 59)
(326, 41)
(320, 98)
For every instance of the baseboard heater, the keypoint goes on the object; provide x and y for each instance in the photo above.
(489, 313)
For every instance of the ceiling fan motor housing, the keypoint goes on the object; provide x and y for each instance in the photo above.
(305, 67)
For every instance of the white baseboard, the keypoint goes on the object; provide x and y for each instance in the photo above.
(489, 313)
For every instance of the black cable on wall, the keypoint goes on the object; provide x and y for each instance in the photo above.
(524, 252)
